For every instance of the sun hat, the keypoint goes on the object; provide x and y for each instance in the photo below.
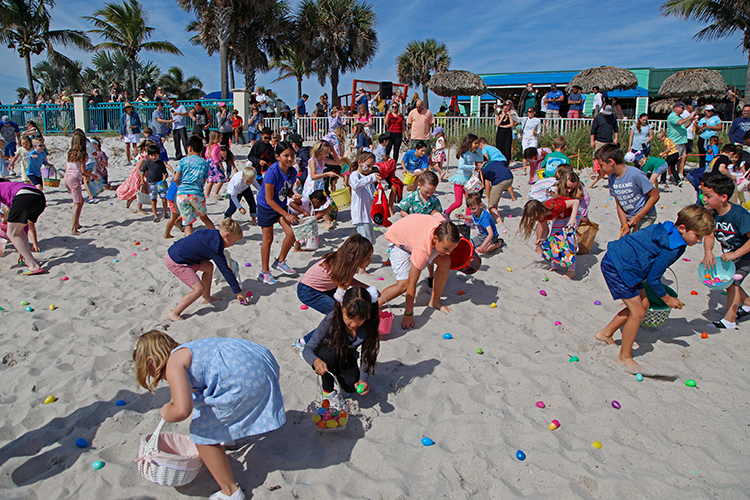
(222, 105)
(126, 104)
(709, 107)
(607, 110)
(437, 131)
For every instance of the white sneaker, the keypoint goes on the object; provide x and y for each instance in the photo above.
(237, 495)
(334, 398)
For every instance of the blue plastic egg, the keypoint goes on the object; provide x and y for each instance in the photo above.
(81, 443)
(447, 336)
(639, 377)
(97, 465)
(427, 441)
(121, 402)
(520, 455)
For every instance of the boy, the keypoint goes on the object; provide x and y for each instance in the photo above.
(261, 155)
(303, 157)
(37, 158)
(416, 162)
(239, 187)
(712, 150)
(652, 166)
(497, 177)
(190, 176)
(631, 189)
(159, 141)
(733, 232)
(422, 201)
(644, 256)
(154, 174)
(555, 158)
(487, 240)
(379, 152)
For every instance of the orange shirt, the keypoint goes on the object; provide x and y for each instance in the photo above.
(413, 234)
(420, 124)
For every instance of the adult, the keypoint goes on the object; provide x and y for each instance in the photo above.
(321, 107)
(224, 124)
(26, 205)
(689, 108)
(528, 97)
(365, 118)
(160, 94)
(334, 120)
(254, 125)
(179, 130)
(238, 127)
(641, 135)
(708, 126)
(361, 98)
(677, 131)
(10, 132)
(300, 109)
(271, 104)
(159, 120)
(201, 120)
(504, 122)
(575, 100)
(531, 127)
(130, 129)
(260, 98)
(598, 101)
(740, 126)
(604, 129)
(394, 126)
(142, 97)
(553, 98)
(419, 122)
(97, 98)
(617, 109)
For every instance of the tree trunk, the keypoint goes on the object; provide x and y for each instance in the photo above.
(425, 93)
(335, 87)
(223, 25)
(250, 79)
(231, 75)
(299, 88)
(32, 92)
(224, 80)
(133, 86)
(747, 78)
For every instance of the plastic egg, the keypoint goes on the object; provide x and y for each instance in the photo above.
(461, 292)
(707, 276)
(573, 359)
(447, 336)
(343, 421)
(326, 403)
(64, 278)
(137, 243)
(557, 323)
(327, 415)
(121, 402)
(737, 277)
(509, 269)
(704, 335)
(133, 254)
(493, 305)
(427, 441)
(316, 418)
(29, 308)
(597, 303)
(321, 411)
(97, 465)
(480, 351)
(331, 424)
(249, 294)
(615, 405)
(322, 424)
(520, 455)
(303, 307)
(115, 261)
(540, 404)
(50, 399)
(81, 443)
(52, 307)
(24, 303)
(542, 293)
(639, 377)
(597, 445)
(343, 414)
(545, 279)
(360, 388)
(690, 383)
(552, 426)
(693, 292)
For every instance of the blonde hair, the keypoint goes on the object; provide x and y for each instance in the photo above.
(156, 346)
(214, 138)
(231, 226)
(249, 174)
(697, 219)
(37, 140)
(562, 185)
(318, 148)
(661, 134)
(559, 142)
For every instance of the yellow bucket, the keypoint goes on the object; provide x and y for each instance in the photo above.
(409, 178)
(342, 197)
(540, 174)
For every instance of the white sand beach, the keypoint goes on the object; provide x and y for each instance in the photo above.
(667, 440)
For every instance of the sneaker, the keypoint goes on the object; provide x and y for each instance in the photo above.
(334, 398)
(237, 495)
(721, 326)
(741, 313)
(283, 267)
(299, 346)
(267, 278)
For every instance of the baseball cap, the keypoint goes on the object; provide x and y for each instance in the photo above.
(5, 118)
(437, 131)
(694, 103)
(679, 104)
(222, 105)
(141, 91)
(709, 107)
(295, 138)
(607, 110)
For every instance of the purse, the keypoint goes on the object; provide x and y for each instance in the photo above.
(561, 248)
(475, 184)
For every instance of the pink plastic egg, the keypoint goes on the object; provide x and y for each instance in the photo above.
(557, 323)
(542, 293)
(540, 404)
(737, 277)
(303, 307)
(64, 278)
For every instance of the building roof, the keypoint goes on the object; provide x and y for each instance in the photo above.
(636, 92)
(521, 79)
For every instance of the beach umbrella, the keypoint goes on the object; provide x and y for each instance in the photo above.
(605, 77)
(455, 82)
(694, 84)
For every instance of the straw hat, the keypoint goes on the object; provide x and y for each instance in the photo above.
(126, 105)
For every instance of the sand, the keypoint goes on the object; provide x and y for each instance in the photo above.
(667, 440)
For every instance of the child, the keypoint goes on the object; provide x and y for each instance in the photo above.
(415, 241)
(556, 158)
(645, 255)
(275, 139)
(423, 200)
(174, 213)
(261, 153)
(302, 206)
(239, 187)
(534, 157)
(497, 177)
(712, 150)
(362, 181)
(362, 141)
(75, 175)
(22, 157)
(159, 141)
(216, 173)
(438, 154)
(544, 189)
(287, 122)
(4, 172)
(190, 175)
(671, 155)
(332, 349)
(129, 189)
(102, 162)
(231, 400)
(536, 213)
(467, 164)
(636, 197)
(415, 163)
(37, 158)
(322, 153)
(488, 239)
(272, 207)
(155, 174)
(379, 152)
(228, 161)
(652, 166)
(194, 253)
(733, 232)
(26, 205)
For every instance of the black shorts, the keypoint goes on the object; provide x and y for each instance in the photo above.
(267, 217)
(27, 207)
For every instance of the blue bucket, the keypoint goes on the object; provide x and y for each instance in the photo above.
(724, 271)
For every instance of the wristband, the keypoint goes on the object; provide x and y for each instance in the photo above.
(408, 314)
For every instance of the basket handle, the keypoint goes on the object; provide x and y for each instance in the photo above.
(676, 283)
(153, 443)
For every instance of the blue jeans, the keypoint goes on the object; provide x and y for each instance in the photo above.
(322, 302)
(695, 176)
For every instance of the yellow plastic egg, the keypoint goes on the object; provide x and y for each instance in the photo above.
(52, 307)
(597, 445)
(551, 426)
(316, 418)
(331, 424)
(343, 421)
(50, 399)
(493, 305)
(509, 269)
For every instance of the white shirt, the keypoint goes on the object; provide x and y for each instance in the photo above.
(236, 186)
(305, 204)
(363, 191)
(179, 121)
(688, 126)
(261, 100)
(529, 125)
(599, 100)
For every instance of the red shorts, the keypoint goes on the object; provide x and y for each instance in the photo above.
(172, 208)
(186, 274)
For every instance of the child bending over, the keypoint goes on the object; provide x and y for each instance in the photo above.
(536, 213)
(488, 239)
(239, 187)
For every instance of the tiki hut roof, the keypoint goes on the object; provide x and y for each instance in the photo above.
(605, 77)
(694, 84)
(662, 105)
(453, 82)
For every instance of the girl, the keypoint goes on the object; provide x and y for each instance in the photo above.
(129, 189)
(365, 118)
(641, 135)
(194, 253)
(81, 142)
(229, 386)
(22, 157)
(536, 213)
(415, 241)
(102, 162)
(254, 125)
(272, 207)
(394, 125)
(26, 205)
(322, 153)
(467, 164)
(358, 131)
(362, 181)
(75, 175)
(215, 171)
(438, 155)
(332, 350)
(227, 158)
(287, 122)
(32, 130)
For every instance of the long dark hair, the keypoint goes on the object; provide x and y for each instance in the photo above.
(466, 145)
(638, 122)
(358, 304)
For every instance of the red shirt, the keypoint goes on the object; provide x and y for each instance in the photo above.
(557, 205)
(395, 124)
(236, 122)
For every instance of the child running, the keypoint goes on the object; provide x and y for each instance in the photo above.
(332, 349)
(174, 213)
(272, 207)
(362, 181)
(216, 175)
(155, 175)
(230, 387)
(37, 158)
(488, 239)
(467, 164)
(644, 256)
(190, 175)
(194, 253)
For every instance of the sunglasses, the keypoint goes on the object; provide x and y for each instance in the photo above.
(266, 137)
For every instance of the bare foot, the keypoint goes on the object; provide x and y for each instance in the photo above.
(208, 300)
(600, 335)
(75, 233)
(140, 212)
(175, 317)
(330, 226)
(130, 202)
(440, 307)
(168, 236)
(570, 275)
(631, 365)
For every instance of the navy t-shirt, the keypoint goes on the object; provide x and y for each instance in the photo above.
(732, 228)
(496, 172)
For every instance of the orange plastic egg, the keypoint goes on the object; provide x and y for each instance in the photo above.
(343, 414)
(704, 335)
(322, 424)
(326, 403)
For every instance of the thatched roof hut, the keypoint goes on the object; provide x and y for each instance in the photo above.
(662, 105)
(605, 77)
(694, 84)
(453, 82)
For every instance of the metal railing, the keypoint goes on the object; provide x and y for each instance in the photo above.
(105, 117)
(50, 118)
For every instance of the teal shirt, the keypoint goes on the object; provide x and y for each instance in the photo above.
(677, 133)
(193, 174)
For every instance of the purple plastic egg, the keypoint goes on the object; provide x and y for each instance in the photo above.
(615, 405)
(542, 293)
(597, 303)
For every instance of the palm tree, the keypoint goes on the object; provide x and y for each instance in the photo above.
(291, 65)
(175, 84)
(123, 26)
(53, 79)
(725, 18)
(336, 36)
(25, 28)
(418, 60)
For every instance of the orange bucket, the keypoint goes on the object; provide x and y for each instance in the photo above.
(463, 257)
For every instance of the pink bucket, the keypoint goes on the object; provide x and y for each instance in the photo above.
(386, 322)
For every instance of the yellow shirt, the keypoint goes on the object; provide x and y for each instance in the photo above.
(670, 147)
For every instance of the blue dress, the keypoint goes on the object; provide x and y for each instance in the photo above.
(236, 391)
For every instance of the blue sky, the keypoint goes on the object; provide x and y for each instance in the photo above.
(492, 36)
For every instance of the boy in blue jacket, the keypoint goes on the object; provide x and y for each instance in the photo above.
(644, 256)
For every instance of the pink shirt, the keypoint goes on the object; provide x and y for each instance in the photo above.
(214, 153)
(316, 277)
(420, 124)
(413, 234)
(73, 170)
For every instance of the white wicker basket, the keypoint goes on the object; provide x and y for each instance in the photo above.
(168, 459)
(306, 228)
